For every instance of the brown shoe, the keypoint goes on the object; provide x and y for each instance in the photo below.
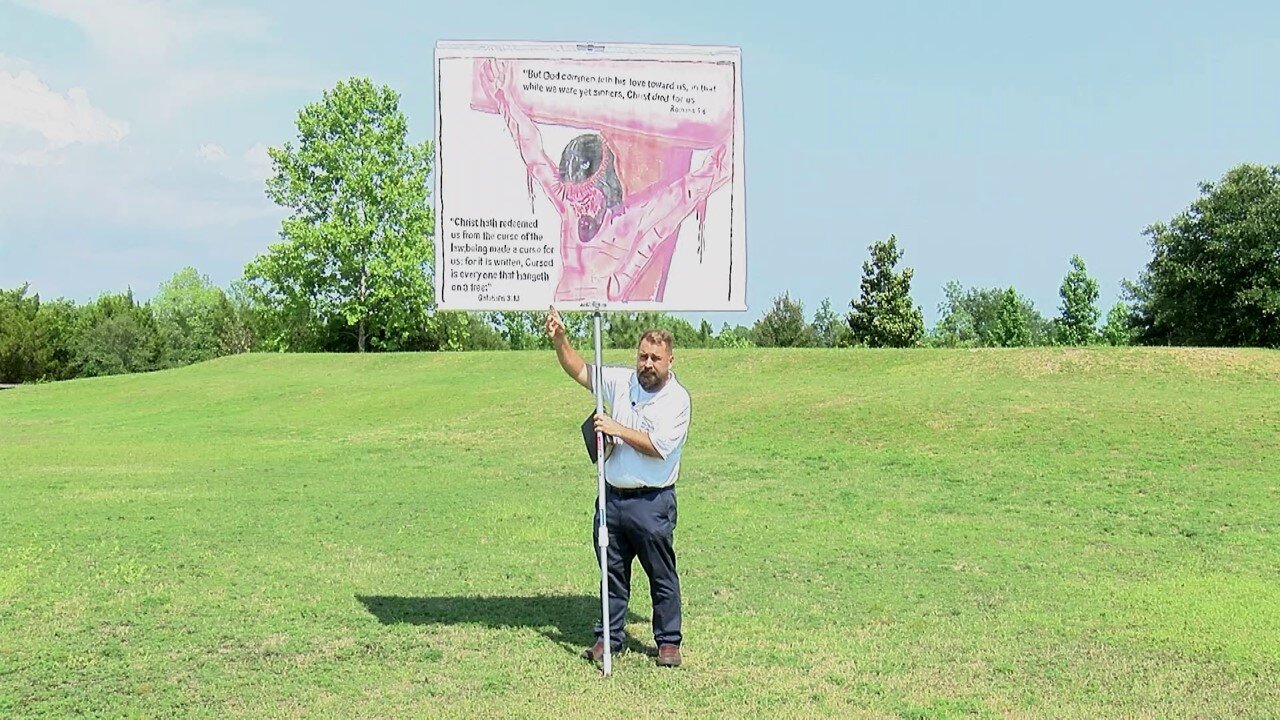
(669, 655)
(595, 653)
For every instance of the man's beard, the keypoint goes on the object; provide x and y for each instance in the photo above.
(649, 380)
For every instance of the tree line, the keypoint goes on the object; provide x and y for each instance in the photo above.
(191, 320)
(353, 271)
(1213, 280)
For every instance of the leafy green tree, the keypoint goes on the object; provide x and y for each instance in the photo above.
(984, 305)
(457, 331)
(622, 330)
(883, 315)
(737, 336)
(1039, 328)
(578, 325)
(482, 335)
(56, 323)
(524, 330)
(784, 325)
(972, 318)
(828, 327)
(118, 344)
(116, 335)
(520, 330)
(191, 315)
(18, 340)
(957, 325)
(682, 331)
(1077, 321)
(246, 322)
(447, 330)
(356, 251)
(705, 334)
(55, 340)
(1118, 329)
(1011, 324)
(1214, 278)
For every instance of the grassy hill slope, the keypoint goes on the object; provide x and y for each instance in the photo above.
(1048, 533)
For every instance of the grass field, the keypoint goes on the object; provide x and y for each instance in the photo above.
(915, 534)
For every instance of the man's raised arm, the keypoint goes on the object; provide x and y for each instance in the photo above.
(573, 364)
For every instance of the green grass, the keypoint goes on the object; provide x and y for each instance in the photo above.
(917, 534)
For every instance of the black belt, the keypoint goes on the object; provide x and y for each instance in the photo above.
(634, 492)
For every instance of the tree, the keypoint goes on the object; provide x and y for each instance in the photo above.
(1118, 329)
(454, 330)
(1011, 324)
(1077, 321)
(622, 330)
(245, 323)
(192, 315)
(972, 318)
(1214, 277)
(482, 335)
(957, 326)
(116, 335)
(18, 342)
(520, 330)
(447, 330)
(883, 315)
(356, 251)
(783, 326)
(55, 333)
(705, 334)
(828, 327)
(737, 336)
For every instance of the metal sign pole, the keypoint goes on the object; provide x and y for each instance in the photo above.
(602, 533)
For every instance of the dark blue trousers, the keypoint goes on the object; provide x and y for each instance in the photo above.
(641, 525)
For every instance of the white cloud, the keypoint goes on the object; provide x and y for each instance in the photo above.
(155, 59)
(179, 89)
(29, 109)
(259, 163)
(211, 152)
(141, 202)
(14, 65)
(254, 166)
(149, 31)
(154, 40)
(107, 189)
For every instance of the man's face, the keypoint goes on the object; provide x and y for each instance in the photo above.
(653, 364)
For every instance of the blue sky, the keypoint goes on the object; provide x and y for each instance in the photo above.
(995, 140)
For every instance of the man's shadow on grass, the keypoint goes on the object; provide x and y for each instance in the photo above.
(564, 619)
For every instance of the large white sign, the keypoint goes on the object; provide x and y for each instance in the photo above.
(585, 176)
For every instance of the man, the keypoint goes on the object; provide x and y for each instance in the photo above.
(648, 425)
